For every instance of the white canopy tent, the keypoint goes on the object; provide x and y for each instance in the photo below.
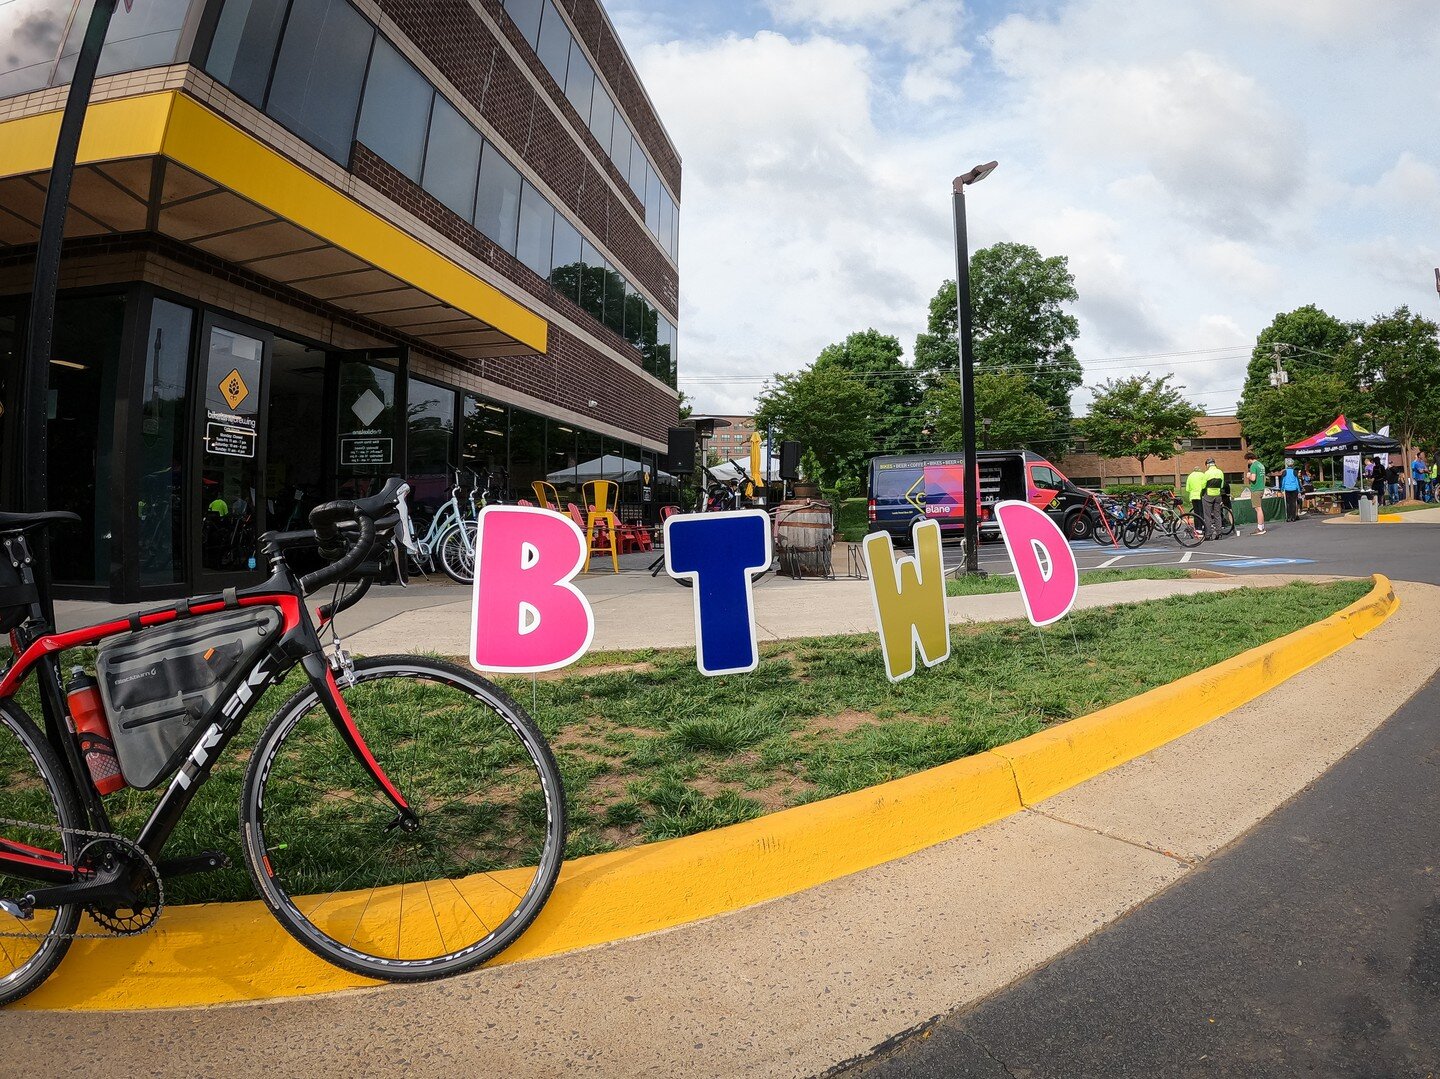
(609, 467)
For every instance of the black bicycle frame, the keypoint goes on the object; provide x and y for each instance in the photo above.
(299, 643)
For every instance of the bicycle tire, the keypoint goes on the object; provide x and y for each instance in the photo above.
(1186, 530)
(1136, 532)
(1227, 522)
(456, 561)
(48, 805)
(305, 798)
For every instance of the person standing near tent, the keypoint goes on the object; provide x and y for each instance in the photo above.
(1255, 491)
(1194, 488)
(1290, 485)
(1377, 480)
(1211, 499)
(1420, 476)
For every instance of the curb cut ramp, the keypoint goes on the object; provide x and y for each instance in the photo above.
(232, 952)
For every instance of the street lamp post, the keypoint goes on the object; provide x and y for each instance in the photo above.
(985, 429)
(967, 365)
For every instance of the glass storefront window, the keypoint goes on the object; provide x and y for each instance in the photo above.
(163, 415)
(396, 111)
(315, 90)
(497, 201)
(368, 427)
(431, 429)
(81, 432)
(452, 160)
(9, 384)
(483, 437)
(243, 47)
(527, 452)
(230, 476)
(537, 221)
(561, 460)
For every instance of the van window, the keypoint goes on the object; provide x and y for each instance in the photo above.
(892, 483)
(1044, 476)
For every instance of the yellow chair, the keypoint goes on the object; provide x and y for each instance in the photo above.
(548, 496)
(601, 524)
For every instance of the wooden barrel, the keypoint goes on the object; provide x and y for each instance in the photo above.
(804, 536)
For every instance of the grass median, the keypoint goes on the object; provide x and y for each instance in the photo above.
(650, 749)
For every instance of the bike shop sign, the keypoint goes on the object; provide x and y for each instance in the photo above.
(535, 619)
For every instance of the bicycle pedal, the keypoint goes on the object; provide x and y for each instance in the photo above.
(205, 862)
(15, 910)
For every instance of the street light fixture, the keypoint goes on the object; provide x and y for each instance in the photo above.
(967, 365)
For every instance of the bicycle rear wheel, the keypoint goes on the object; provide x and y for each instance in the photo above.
(1186, 530)
(35, 792)
(347, 879)
(456, 559)
(1137, 531)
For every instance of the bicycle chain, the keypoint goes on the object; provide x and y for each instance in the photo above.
(114, 838)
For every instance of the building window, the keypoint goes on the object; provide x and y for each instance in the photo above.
(243, 48)
(315, 91)
(537, 223)
(614, 300)
(453, 159)
(592, 282)
(553, 46)
(163, 405)
(431, 431)
(396, 112)
(565, 265)
(34, 56)
(580, 81)
(526, 14)
(602, 117)
(497, 202)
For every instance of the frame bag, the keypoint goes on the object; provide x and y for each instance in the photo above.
(161, 685)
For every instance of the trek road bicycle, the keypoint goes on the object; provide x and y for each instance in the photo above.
(401, 817)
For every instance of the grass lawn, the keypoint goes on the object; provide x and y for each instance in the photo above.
(651, 749)
(984, 586)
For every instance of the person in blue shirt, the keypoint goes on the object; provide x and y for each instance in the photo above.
(1420, 476)
(1290, 484)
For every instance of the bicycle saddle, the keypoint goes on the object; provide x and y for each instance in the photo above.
(23, 522)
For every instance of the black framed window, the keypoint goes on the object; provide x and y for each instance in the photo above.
(580, 81)
(484, 437)
(526, 15)
(396, 111)
(315, 90)
(431, 436)
(537, 224)
(452, 160)
(614, 300)
(527, 452)
(243, 48)
(566, 268)
(497, 201)
(602, 117)
(553, 46)
(163, 430)
(592, 282)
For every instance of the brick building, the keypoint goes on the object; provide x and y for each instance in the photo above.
(1220, 438)
(312, 243)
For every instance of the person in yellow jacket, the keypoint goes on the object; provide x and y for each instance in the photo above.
(1194, 488)
(1212, 498)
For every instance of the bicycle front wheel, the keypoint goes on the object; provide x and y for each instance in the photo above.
(38, 806)
(1187, 530)
(457, 558)
(348, 878)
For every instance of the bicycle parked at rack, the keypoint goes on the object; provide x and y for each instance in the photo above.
(449, 540)
(378, 774)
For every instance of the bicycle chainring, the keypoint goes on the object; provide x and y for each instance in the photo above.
(149, 898)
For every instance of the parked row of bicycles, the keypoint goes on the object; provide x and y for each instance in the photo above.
(1133, 522)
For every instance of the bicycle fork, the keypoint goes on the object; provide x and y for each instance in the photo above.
(322, 678)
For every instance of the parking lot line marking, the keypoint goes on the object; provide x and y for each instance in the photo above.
(1110, 562)
(1187, 556)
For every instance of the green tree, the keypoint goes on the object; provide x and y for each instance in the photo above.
(1019, 324)
(829, 412)
(1398, 357)
(1138, 417)
(874, 359)
(1018, 416)
(1316, 352)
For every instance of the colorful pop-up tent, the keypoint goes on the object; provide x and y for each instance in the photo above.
(1340, 438)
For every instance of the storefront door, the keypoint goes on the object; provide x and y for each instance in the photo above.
(228, 501)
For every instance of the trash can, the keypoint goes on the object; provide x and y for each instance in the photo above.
(1369, 509)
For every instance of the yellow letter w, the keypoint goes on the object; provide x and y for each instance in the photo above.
(909, 596)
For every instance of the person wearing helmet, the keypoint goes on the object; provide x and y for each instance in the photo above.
(1211, 499)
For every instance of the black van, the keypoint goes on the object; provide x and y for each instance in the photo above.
(930, 487)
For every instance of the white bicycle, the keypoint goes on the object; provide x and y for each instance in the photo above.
(449, 542)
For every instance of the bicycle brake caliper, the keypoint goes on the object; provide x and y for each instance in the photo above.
(343, 664)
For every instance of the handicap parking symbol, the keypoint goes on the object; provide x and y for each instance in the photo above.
(1251, 563)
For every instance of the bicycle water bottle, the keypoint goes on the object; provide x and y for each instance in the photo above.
(93, 730)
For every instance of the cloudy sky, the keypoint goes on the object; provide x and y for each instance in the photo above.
(1202, 165)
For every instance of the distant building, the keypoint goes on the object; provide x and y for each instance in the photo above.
(1220, 438)
(734, 441)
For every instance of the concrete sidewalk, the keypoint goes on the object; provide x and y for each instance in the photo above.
(797, 985)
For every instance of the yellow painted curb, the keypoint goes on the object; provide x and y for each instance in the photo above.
(217, 953)
(1390, 518)
(1058, 758)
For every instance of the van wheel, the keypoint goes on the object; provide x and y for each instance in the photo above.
(1079, 526)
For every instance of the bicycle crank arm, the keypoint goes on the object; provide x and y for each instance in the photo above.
(205, 862)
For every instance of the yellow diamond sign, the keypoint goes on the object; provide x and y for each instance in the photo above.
(233, 388)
